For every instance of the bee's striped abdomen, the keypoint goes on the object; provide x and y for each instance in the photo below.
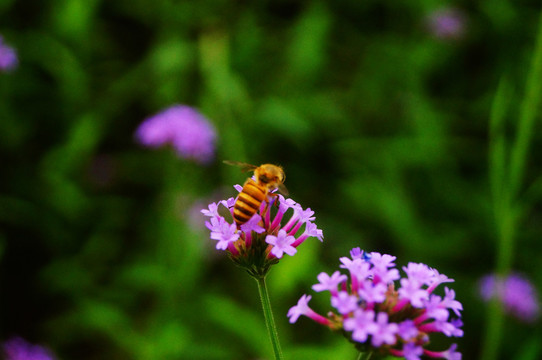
(248, 202)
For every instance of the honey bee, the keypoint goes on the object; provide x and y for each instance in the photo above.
(268, 177)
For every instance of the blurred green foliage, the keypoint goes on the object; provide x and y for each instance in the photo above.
(382, 127)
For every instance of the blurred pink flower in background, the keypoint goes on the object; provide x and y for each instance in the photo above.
(8, 57)
(183, 127)
(19, 349)
(517, 295)
(446, 23)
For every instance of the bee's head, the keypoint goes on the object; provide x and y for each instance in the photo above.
(270, 175)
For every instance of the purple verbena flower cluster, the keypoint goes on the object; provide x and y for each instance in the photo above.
(8, 57)
(277, 228)
(376, 316)
(516, 294)
(184, 128)
(19, 349)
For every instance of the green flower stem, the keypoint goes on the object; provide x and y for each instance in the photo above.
(269, 320)
(365, 355)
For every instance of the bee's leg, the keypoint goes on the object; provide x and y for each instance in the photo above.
(275, 197)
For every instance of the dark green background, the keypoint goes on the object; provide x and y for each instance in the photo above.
(382, 129)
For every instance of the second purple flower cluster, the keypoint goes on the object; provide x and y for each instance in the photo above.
(379, 317)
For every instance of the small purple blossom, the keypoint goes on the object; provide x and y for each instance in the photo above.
(398, 321)
(382, 261)
(412, 290)
(211, 211)
(311, 230)
(437, 279)
(285, 204)
(385, 332)
(302, 308)
(19, 349)
(282, 243)
(407, 330)
(450, 302)
(278, 227)
(420, 273)
(358, 268)
(385, 275)
(372, 292)
(450, 354)
(435, 308)
(305, 215)
(8, 57)
(517, 295)
(224, 233)
(329, 283)
(214, 224)
(253, 225)
(344, 302)
(361, 324)
(357, 253)
(183, 127)
(411, 351)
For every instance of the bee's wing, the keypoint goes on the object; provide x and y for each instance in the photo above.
(282, 189)
(244, 166)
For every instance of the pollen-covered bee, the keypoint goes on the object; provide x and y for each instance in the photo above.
(268, 177)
